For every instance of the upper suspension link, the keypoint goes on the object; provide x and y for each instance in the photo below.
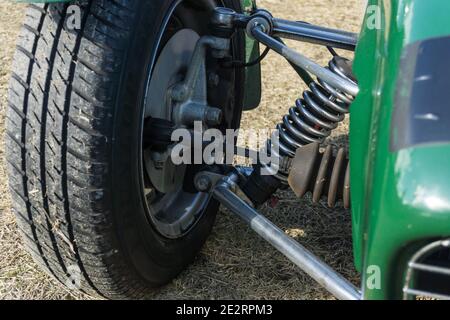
(261, 25)
(296, 30)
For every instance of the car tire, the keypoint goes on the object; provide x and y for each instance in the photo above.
(72, 122)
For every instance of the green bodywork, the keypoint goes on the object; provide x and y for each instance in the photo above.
(391, 213)
(253, 89)
(399, 199)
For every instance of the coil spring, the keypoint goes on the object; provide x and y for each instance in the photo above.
(307, 124)
(316, 114)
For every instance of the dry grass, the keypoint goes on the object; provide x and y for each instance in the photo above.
(234, 264)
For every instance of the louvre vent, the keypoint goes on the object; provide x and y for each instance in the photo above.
(428, 274)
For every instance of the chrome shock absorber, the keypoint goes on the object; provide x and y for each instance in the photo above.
(311, 120)
(317, 113)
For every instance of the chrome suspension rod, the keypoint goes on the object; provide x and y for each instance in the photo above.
(306, 32)
(295, 30)
(295, 252)
(303, 62)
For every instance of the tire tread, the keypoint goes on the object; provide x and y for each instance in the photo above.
(60, 195)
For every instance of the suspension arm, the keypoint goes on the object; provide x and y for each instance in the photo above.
(303, 62)
(295, 30)
(306, 32)
(263, 27)
(294, 251)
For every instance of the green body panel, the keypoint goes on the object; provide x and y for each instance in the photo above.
(399, 199)
(252, 97)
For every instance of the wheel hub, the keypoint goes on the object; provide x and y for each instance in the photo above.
(172, 210)
(170, 69)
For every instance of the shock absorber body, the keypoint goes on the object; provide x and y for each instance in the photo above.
(310, 121)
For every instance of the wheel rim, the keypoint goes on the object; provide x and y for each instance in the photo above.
(173, 214)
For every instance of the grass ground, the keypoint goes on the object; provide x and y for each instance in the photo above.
(234, 264)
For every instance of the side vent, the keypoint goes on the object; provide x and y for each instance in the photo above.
(428, 274)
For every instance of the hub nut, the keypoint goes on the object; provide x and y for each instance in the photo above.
(203, 183)
(213, 116)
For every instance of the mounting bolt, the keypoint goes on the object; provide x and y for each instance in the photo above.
(213, 116)
(179, 92)
(223, 17)
(158, 160)
(203, 183)
(261, 19)
(213, 79)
